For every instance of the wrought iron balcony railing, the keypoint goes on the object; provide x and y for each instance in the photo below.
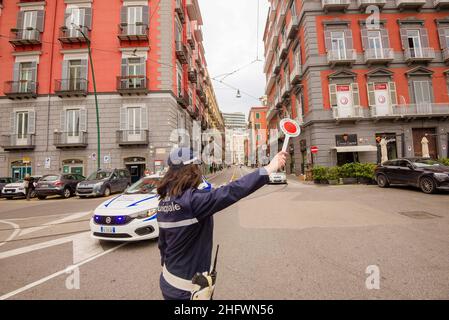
(14, 142)
(67, 140)
(419, 54)
(132, 85)
(375, 55)
(133, 32)
(71, 87)
(22, 89)
(347, 56)
(73, 34)
(25, 37)
(133, 137)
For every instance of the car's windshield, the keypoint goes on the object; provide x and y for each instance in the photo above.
(426, 163)
(99, 175)
(144, 186)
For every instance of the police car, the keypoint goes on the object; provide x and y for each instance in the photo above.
(131, 216)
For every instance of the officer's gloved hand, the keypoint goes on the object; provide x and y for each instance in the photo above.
(277, 163)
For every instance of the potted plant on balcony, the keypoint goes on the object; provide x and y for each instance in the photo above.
(348, 173)
(333, 176)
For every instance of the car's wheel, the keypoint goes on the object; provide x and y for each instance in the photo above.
(107, 192)
(382, 181)
(66, 193)
(427, 185)
(42, 197)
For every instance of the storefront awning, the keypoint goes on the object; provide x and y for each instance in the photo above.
(356, 149)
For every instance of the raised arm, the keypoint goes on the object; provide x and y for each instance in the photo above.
(208, 203)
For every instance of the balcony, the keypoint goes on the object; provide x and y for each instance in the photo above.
(285, 90)
(133, 32)
(410, 4)
(335, 5)
(350, 113)
(292, 28)
(130, 85)
(278, 101)
(363, 4)
(71, 87)
(15, 142)
(22, 89)
(133, 138)
(295, 75)
(73, 35)
(277, 66)
(341, 57)
(193, 75)
(181, 52)
(25, 37)
(440, 4)
(381, 56)
(183, 99)
(271, 113)
(199, 33)
(68, 140)
(445, 53)
(419, 54)
(284, 49)
(423, 110)
(190, 40)
(180, 11)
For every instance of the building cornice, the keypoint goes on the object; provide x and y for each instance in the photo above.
(26, 53)
(32, 4)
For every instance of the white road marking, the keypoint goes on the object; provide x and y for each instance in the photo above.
(12, 236)
(56, 274)
(73, 216)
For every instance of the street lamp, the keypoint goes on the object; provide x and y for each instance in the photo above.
(95, 91)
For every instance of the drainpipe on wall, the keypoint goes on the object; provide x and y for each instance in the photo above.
(403, 144)
(51, 73)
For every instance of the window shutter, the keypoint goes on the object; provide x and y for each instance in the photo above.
(83, 120)
(62, 123)
(333, 94)
(16, 71)
(424, 37)
(144, 119)
(328, 41)
(124, 15)
(12, 118)
(355, 94)
(124, 67)
(20, 15)
(364, 34)
(88, 18)
(84, 73)
(404, 38)
(67, 18)
(385, 38)
(145, 15)
(40, 20)
(123, 118)
(371, 95)
(34, 76)
(31, 122)
(348, 39)
(393, 94)
(442, 36)
(65, 75)
(143, 71)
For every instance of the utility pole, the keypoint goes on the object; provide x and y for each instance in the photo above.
(95, 94)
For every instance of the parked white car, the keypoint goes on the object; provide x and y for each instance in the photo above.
(279, 177)
(17, 189)
(131, 216)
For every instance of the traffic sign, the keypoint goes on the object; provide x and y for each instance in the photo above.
(291, 129)
(314, 149)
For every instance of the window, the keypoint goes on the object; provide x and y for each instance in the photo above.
(375, 43)
(257, 115)
(179, 79)
(179, 29)
(134, 72)
(338, 44)
(414, 43)
(73, 122)
(75, 20)
(257, 126)
(75, 74)
(29, 24)
(22, 124)
(26, 77)
(422, 92)
(135, 20)
(134, 120)
(293, 9)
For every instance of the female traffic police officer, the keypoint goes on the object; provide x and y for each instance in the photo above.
(186, 223)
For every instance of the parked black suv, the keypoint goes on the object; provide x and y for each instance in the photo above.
(63, 185)
(104, 183)
(426, 174)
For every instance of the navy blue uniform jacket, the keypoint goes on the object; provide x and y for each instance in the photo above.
(186, 227)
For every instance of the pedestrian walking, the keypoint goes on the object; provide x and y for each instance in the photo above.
(28, 185)
(185, 218)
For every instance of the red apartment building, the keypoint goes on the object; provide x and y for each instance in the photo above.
(343, 75)
(257, 124)
(150, 72)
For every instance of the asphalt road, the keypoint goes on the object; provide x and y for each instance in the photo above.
(299, 241)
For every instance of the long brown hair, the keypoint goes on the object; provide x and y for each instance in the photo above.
(177, 180)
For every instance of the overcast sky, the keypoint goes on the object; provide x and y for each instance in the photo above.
(230, 33)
